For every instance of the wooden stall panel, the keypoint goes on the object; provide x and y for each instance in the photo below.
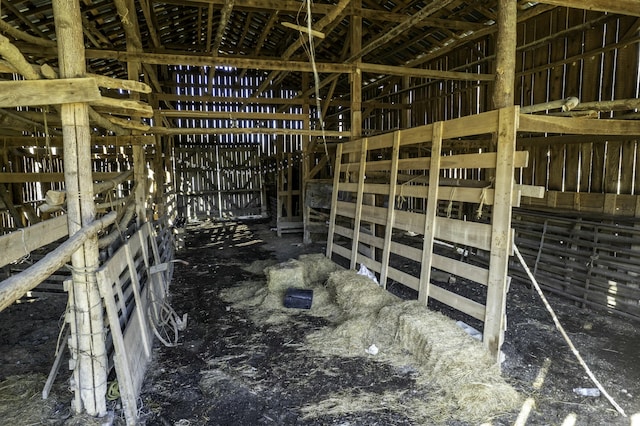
(411, 213)
(132, 294)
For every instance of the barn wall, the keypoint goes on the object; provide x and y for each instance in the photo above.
(38, 168)
(234, 174)
(561, 53)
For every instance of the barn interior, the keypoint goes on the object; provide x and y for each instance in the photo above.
(440, 145)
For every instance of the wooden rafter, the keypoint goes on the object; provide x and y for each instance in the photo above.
(623, 7)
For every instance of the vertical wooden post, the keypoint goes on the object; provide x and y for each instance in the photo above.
(359, 201)
(88, 341)
(306, 160)
(334, 200)
(504, 142)
(391, 209)
(501, 236)
(159, 177)
(356, 76)
(430, 215)
(405, 114)
(503, 89)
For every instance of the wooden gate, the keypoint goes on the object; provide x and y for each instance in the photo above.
(220, 181)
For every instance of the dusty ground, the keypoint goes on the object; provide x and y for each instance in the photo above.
(229, 370)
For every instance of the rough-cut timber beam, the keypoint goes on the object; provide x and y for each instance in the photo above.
(202, 60)
(243, 131)
(231, 115)
(503, 91)
(424, 73)
(63, 91)
(49, 177)
(383, 15)
(56, 141)
(261, 5)
(88, 343)
(17, 285)
(123, 107)
(129, 23)
(14, 57)
(150, 20)
(623, 7)
(20, 35)
(279, 65)
(225, 14)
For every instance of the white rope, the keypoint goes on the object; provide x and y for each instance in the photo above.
(564, 334)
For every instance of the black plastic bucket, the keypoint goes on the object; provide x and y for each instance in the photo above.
(298, 298)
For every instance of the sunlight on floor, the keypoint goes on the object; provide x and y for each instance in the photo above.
(530, 403)
(570, 420)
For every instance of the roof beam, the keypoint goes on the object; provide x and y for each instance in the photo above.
(381, 15)
(429, 9)
(623, 7)
(279, 65)
(225, 14)
(259, 5)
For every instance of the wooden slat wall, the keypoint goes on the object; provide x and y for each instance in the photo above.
(598, 64)
(371, 221)
(586, 260)
(220, 180)
(561, 53)
(42, 159)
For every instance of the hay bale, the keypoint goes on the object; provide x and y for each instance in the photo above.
(317, 268)
(284, 275)
(258, 267)
(455, 377)
(358, 295)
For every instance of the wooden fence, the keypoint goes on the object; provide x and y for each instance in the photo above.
(401, 196)
(390, 186)
(134, 284)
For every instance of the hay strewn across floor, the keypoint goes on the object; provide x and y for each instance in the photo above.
(454, 377)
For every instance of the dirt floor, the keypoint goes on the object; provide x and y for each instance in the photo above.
(232, 369)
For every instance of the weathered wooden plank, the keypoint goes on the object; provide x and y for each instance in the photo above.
(48, 92)
(49, 177)
(459, 161)
(17, 285)
(469, 307)
(20, 243)
(357, 219)
(188, 114)
(542, 124)
(430, 214)
(501, 234)
(334, 200)
(472, 233)
(391, 210)
(453, 266)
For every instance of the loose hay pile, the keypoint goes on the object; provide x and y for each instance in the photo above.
(455, 378)
(21, 402)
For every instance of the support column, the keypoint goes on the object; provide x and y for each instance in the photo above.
(87, 343)
(503, 89)
(356, 76)
(504, 143)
